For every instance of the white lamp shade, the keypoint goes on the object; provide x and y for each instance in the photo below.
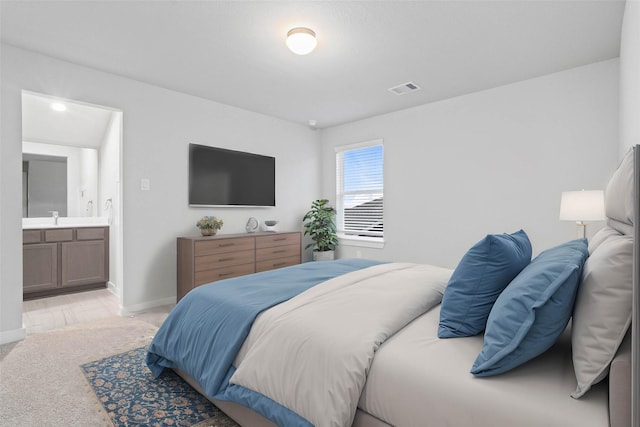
(301, 40)
(582, 206)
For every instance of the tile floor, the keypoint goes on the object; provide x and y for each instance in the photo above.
(44, 314)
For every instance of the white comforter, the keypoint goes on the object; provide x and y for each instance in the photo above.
(312, 353)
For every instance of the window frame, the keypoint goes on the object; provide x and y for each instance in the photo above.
(348, 239)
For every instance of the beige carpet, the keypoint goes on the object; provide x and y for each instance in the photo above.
(41, 383)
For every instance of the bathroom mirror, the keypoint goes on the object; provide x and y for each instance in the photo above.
(58, 178)
(44, 185)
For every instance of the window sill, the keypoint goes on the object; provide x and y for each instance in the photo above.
(363, 242)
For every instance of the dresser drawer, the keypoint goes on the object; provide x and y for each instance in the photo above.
(58, 235)
(90, 234)
(277, 240)
(277, 263)
(207, 262)
(202, 277)
(31, 236)
(219, 246)
(275, 252)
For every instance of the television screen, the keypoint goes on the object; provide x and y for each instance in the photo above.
(220, 177)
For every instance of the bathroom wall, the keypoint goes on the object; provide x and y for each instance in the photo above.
(109, 200)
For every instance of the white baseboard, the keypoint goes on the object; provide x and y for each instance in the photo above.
(136, 308)
(114, 289)
(7, 337)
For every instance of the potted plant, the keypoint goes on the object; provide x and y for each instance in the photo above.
(209, 225)
(319, 224)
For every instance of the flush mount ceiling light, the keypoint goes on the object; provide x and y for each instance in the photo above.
(58, 106)
(301, 40)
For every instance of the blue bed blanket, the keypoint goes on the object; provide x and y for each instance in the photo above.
(205, 330)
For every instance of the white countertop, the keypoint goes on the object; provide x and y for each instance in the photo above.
(63, 222)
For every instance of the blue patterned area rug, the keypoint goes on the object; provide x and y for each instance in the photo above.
(131, 396)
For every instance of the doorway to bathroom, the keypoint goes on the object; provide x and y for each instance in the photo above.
(81, 145)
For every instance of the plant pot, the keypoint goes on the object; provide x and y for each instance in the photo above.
(208, 231)
(323, 256)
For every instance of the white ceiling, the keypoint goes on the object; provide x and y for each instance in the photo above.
(81, 125)
(233, 51)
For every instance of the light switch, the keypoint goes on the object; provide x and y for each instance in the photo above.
(145, 184)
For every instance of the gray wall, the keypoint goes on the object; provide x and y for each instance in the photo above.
(630, 78)
(158, 125)
(490, 162)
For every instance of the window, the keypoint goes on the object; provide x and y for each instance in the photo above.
(359, 191)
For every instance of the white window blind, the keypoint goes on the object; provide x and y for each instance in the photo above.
(360, 195)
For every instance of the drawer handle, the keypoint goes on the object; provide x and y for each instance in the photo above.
(280, 239)
(226, 259)
(279, 252)
(279, 264)
(224, 274)
(225, 245)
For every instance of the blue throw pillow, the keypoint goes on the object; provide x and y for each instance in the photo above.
(533, 310)
(483, 272)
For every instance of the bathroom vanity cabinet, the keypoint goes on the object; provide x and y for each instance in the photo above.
(64, 260)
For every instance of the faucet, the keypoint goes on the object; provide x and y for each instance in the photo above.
(54, 214)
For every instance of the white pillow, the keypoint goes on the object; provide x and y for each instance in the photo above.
(602, 235)
(602, 312)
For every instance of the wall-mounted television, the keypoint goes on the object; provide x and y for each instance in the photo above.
(221, 177)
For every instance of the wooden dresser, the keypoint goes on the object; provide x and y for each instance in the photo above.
(207, 259)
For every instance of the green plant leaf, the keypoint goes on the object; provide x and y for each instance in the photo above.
(319, 224)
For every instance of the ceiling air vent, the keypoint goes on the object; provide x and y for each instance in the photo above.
(405, 88)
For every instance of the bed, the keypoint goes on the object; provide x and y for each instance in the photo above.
(374, 344)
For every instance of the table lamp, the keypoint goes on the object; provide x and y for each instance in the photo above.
(582, 206)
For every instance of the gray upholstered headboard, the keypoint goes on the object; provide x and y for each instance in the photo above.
(635, 322)
(623, 214)
(624, 374)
